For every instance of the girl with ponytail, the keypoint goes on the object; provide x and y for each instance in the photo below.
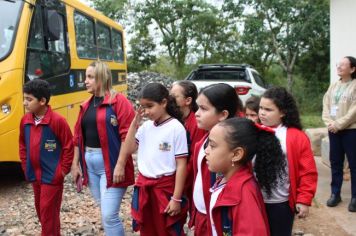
(236, 204)
(158, 204)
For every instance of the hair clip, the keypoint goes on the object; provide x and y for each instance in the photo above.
(264, 128)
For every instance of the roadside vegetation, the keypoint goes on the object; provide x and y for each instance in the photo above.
(286, 41)
(312, 121)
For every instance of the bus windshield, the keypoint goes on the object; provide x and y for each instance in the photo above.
(10, 15)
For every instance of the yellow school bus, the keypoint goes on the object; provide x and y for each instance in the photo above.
(52, 40)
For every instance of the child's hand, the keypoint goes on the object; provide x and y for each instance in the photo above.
(119, 174)
(302, 210)
(173, 208)
(75, 172)
(140, 112)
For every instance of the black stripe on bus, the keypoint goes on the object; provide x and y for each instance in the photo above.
(74, 81)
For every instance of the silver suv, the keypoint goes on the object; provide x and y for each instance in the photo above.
(246, 80)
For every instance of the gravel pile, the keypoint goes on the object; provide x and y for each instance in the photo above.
(79, 213)
(136, 81)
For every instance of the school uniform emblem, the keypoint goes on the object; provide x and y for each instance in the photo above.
(166, 147)
(50, 145)
(113, 120)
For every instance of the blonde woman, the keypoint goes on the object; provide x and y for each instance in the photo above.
(99, 133)
(339, 115)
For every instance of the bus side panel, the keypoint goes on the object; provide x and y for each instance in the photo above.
(11, 84)
(11, 94)
(68, 105)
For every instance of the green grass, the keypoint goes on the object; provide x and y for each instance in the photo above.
(312, 121)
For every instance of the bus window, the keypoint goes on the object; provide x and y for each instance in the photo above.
(36, 34)
(84, 34)
(103, 42)
(117, 46)
(46, 58)
(10, 14)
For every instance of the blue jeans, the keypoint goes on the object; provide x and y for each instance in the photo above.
(109, 199)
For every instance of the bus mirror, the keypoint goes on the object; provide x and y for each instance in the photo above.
(53, 25)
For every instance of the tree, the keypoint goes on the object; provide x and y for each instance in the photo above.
(182, 25)
(141, 55)
(206, 38)
(252, 46)
(313, 66)
(112, 8)
(257, 47)
(214, 34)
(291, 27)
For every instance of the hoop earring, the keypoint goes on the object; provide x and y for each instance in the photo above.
(232, 163)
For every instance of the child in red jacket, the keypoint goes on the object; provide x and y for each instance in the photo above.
(236, 204)
(294, 194)
(158, 205)
(46, 153)
(217, 102)
(186, 94)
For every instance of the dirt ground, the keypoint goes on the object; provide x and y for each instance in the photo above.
(318, 223)
(17, 216)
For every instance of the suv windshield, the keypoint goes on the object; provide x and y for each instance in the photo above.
(10, 15)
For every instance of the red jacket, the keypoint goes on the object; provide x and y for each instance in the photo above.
(208, 177)
(161, 189)
(194, 135)
(113, 121)
(46, 149)
(239, 209)
(303, 174)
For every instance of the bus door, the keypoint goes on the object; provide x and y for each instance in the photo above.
(47, 49)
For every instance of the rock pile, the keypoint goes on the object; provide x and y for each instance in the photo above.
(136, 81)
(79, 213)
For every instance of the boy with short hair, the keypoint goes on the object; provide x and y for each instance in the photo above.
(46, 153)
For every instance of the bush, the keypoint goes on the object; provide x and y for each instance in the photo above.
(312, 121)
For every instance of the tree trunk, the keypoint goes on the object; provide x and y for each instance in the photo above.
(289, 80)
(205, 55)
